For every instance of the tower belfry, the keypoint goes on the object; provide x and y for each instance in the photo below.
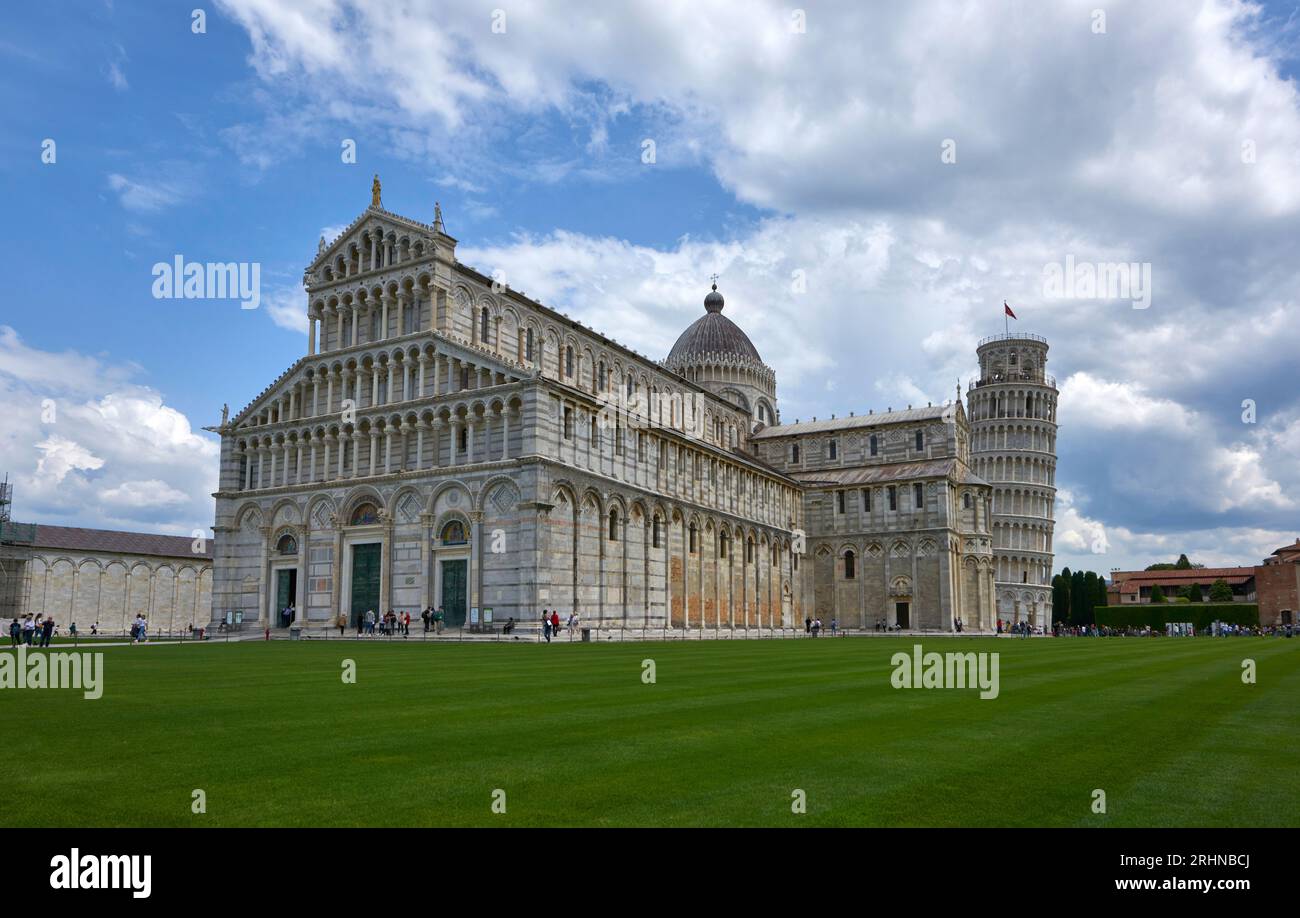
(1012, 413)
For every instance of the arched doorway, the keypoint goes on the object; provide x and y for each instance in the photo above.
(452, 587)
(365, 571)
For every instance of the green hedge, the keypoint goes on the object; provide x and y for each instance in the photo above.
(1157, 615)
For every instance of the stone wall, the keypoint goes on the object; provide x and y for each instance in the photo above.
(111, 589)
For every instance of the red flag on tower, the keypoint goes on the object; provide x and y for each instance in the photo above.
(1008, 309)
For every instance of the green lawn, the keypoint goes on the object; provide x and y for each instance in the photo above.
(274, 737)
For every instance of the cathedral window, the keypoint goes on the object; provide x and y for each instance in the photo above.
(483, 325)
(849, 572)
(875, 445)
(834, 449)
(656, 533)
(693, 541)
(464, 438)
(528, 346)
(918, 497)
(568, 362)
(364, 515)
(966, 501)
(920, 441)
(287, 545)
(839, 501)
(794, 453)
(866, 500)
(893, 497)
(749, 551)
(453, 533)
(568, 423)
(722, 545)
(613, 525)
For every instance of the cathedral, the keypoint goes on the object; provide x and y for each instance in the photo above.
(448, 442)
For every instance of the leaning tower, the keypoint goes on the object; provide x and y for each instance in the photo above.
(1012, 413)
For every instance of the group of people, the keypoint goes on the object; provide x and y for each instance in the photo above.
(32, 631)
(139, 630)
(551, 623)
(1216, 629)
(1024, 629)
(813, 626)
(389, 623)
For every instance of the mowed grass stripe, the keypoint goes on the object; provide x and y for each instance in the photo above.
(273, 736)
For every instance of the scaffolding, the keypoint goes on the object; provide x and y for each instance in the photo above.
(16, 541)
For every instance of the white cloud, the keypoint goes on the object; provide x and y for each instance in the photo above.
(287, 307)
(86, 446)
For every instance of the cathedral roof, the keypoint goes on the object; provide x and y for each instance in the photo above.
(712, 337)
(73, 538)
(856, 476)
(930, 412)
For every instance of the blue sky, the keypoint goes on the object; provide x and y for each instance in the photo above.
(778, 152)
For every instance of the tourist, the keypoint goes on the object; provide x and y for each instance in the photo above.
(835, 626)
(361, 624)
(144, 628)
(370, 622)
(15, 632)
(29, 629)
(47, 632)
(342, 622)
(406, 625)
(807, 626)
(509, 626)
(94, 629)
(555, 622)
(439, 619)
(546, 626)
(424, 614)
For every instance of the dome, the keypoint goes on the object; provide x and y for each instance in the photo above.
(712, 335)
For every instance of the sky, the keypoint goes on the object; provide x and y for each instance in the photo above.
(870, 181)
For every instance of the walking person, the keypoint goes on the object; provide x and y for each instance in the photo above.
(47, 632)
(424, 614)
(29, 629)
(342, 622)
(546, 626)
(555, 622)
(440, 617)
(15, 632)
